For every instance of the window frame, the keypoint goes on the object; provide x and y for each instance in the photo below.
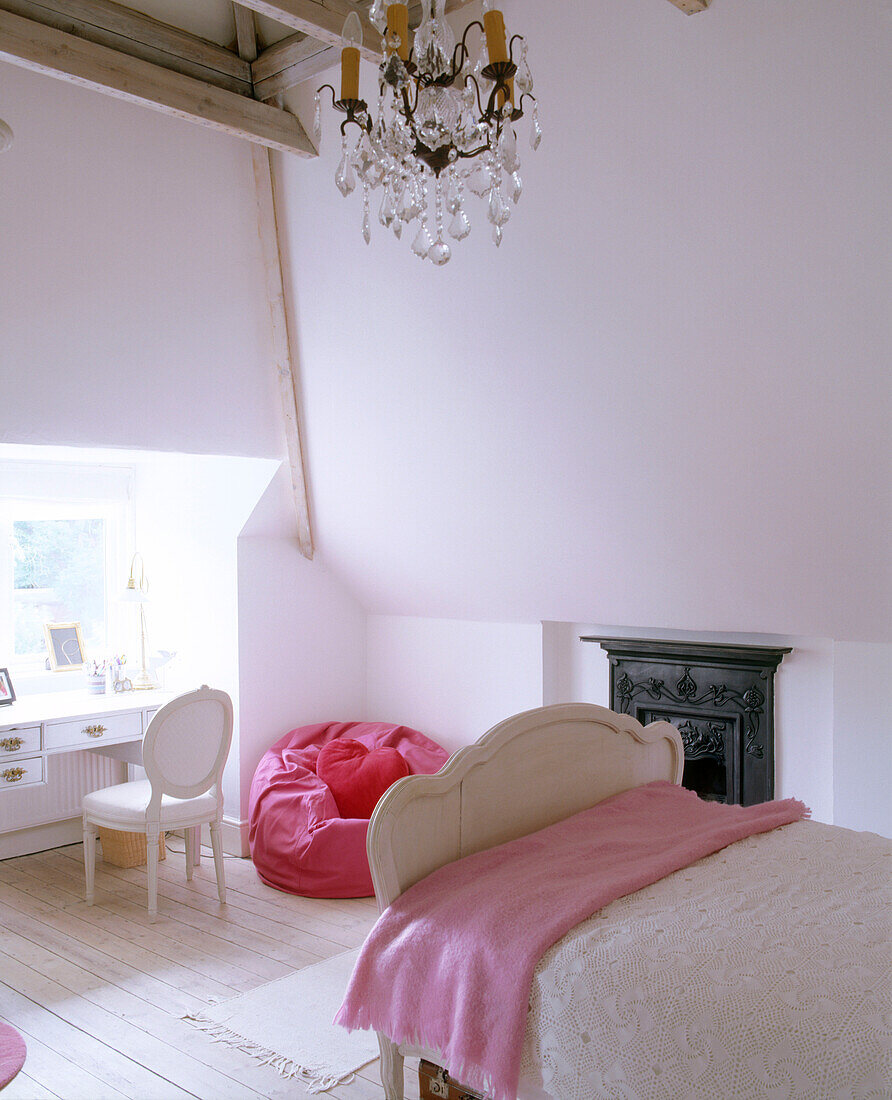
(44, 490)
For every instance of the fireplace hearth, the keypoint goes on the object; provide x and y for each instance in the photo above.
(719, 697)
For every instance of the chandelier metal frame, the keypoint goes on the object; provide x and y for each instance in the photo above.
(499, 72)
(437, 110)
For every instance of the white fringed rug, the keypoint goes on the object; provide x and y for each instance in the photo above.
(287, 1024)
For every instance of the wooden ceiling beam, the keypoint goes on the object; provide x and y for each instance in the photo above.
(56, 53)
(311, 66)
(322, 23)
(290, 62)
(245, 33)
(283, 344)
(130, 32)
(303, 55)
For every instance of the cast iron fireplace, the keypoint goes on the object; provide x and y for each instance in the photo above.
(720, 698)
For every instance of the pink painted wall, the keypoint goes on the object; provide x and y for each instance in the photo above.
(130, 314)
(452, 680)
(666, 399)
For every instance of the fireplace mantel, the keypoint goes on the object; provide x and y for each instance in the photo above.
(720, 697)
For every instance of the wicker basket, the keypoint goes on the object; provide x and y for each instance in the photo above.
(127, 849)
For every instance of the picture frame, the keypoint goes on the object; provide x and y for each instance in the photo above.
(65, 646)
(7, 692)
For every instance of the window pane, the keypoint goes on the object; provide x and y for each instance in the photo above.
(59, 577)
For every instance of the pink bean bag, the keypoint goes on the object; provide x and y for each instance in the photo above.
(299, 840)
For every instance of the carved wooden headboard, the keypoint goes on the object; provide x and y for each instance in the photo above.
(528, 772)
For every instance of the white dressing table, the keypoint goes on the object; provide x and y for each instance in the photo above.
(56, 747)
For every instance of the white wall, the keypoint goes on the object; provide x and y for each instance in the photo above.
(451, 680)
(189, 511)
(862, 747)
(130, 314)
(665, 400)
(302, 645)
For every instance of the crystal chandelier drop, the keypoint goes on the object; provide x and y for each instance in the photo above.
(445, 124)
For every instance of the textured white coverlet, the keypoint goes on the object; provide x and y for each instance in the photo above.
(763, 971)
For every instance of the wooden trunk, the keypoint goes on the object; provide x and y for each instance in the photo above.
(435, 1083)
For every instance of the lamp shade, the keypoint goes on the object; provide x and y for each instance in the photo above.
(137, 590)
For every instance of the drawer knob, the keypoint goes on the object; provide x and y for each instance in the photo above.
(10, 744)
(94, 731)
(13, 775)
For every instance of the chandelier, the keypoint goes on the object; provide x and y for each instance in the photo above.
(444, 124)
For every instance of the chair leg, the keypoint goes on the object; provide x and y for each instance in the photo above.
(152, 853)
(217, 845)
(189, 837)
(89, 859)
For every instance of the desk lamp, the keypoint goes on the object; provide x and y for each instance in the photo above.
(137, 591)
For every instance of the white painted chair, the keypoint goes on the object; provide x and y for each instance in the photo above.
(184, 752)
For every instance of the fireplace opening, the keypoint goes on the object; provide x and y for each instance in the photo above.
(707, 778)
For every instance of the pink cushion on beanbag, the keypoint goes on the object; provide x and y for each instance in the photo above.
(356, 776)
(299, 840)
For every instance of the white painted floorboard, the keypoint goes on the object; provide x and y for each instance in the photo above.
(97, 991)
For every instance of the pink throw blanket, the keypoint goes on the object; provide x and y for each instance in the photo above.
(449, 965)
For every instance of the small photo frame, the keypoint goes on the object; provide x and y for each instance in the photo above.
(7, 694)
(64, 645)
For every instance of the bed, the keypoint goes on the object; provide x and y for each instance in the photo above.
(698, 985)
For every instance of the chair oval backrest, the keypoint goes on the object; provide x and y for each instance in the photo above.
(187, 742)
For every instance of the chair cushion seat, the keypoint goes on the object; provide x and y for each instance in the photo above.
(126, 804)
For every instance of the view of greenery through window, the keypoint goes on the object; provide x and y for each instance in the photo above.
(59, 576)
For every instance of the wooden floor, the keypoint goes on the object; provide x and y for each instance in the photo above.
(97, 991)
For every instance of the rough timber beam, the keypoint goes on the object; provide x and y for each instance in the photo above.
(267, 226)
(130, 32)
(282, 343)
(322, 23)
(67, 57)
(306, 54)
(288, 63)
(245, 33)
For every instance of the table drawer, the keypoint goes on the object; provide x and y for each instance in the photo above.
(21, 773)
(148, 716)
(92, 731)
(19, 741)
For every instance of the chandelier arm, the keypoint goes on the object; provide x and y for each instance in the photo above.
(490, 113)
(474, 152)
(463, 48)
(473, 79)
(351, 118)
(319, 91)
(514, 38)
(409, 110)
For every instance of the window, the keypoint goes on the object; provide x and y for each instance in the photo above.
(61, 559)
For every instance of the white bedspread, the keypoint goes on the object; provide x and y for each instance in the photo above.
(763, 971)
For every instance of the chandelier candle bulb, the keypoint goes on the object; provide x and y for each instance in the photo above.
(496, 36)
(351, 40)
(398, 24)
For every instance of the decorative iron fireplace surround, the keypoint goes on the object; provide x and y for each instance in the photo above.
(721, 699)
